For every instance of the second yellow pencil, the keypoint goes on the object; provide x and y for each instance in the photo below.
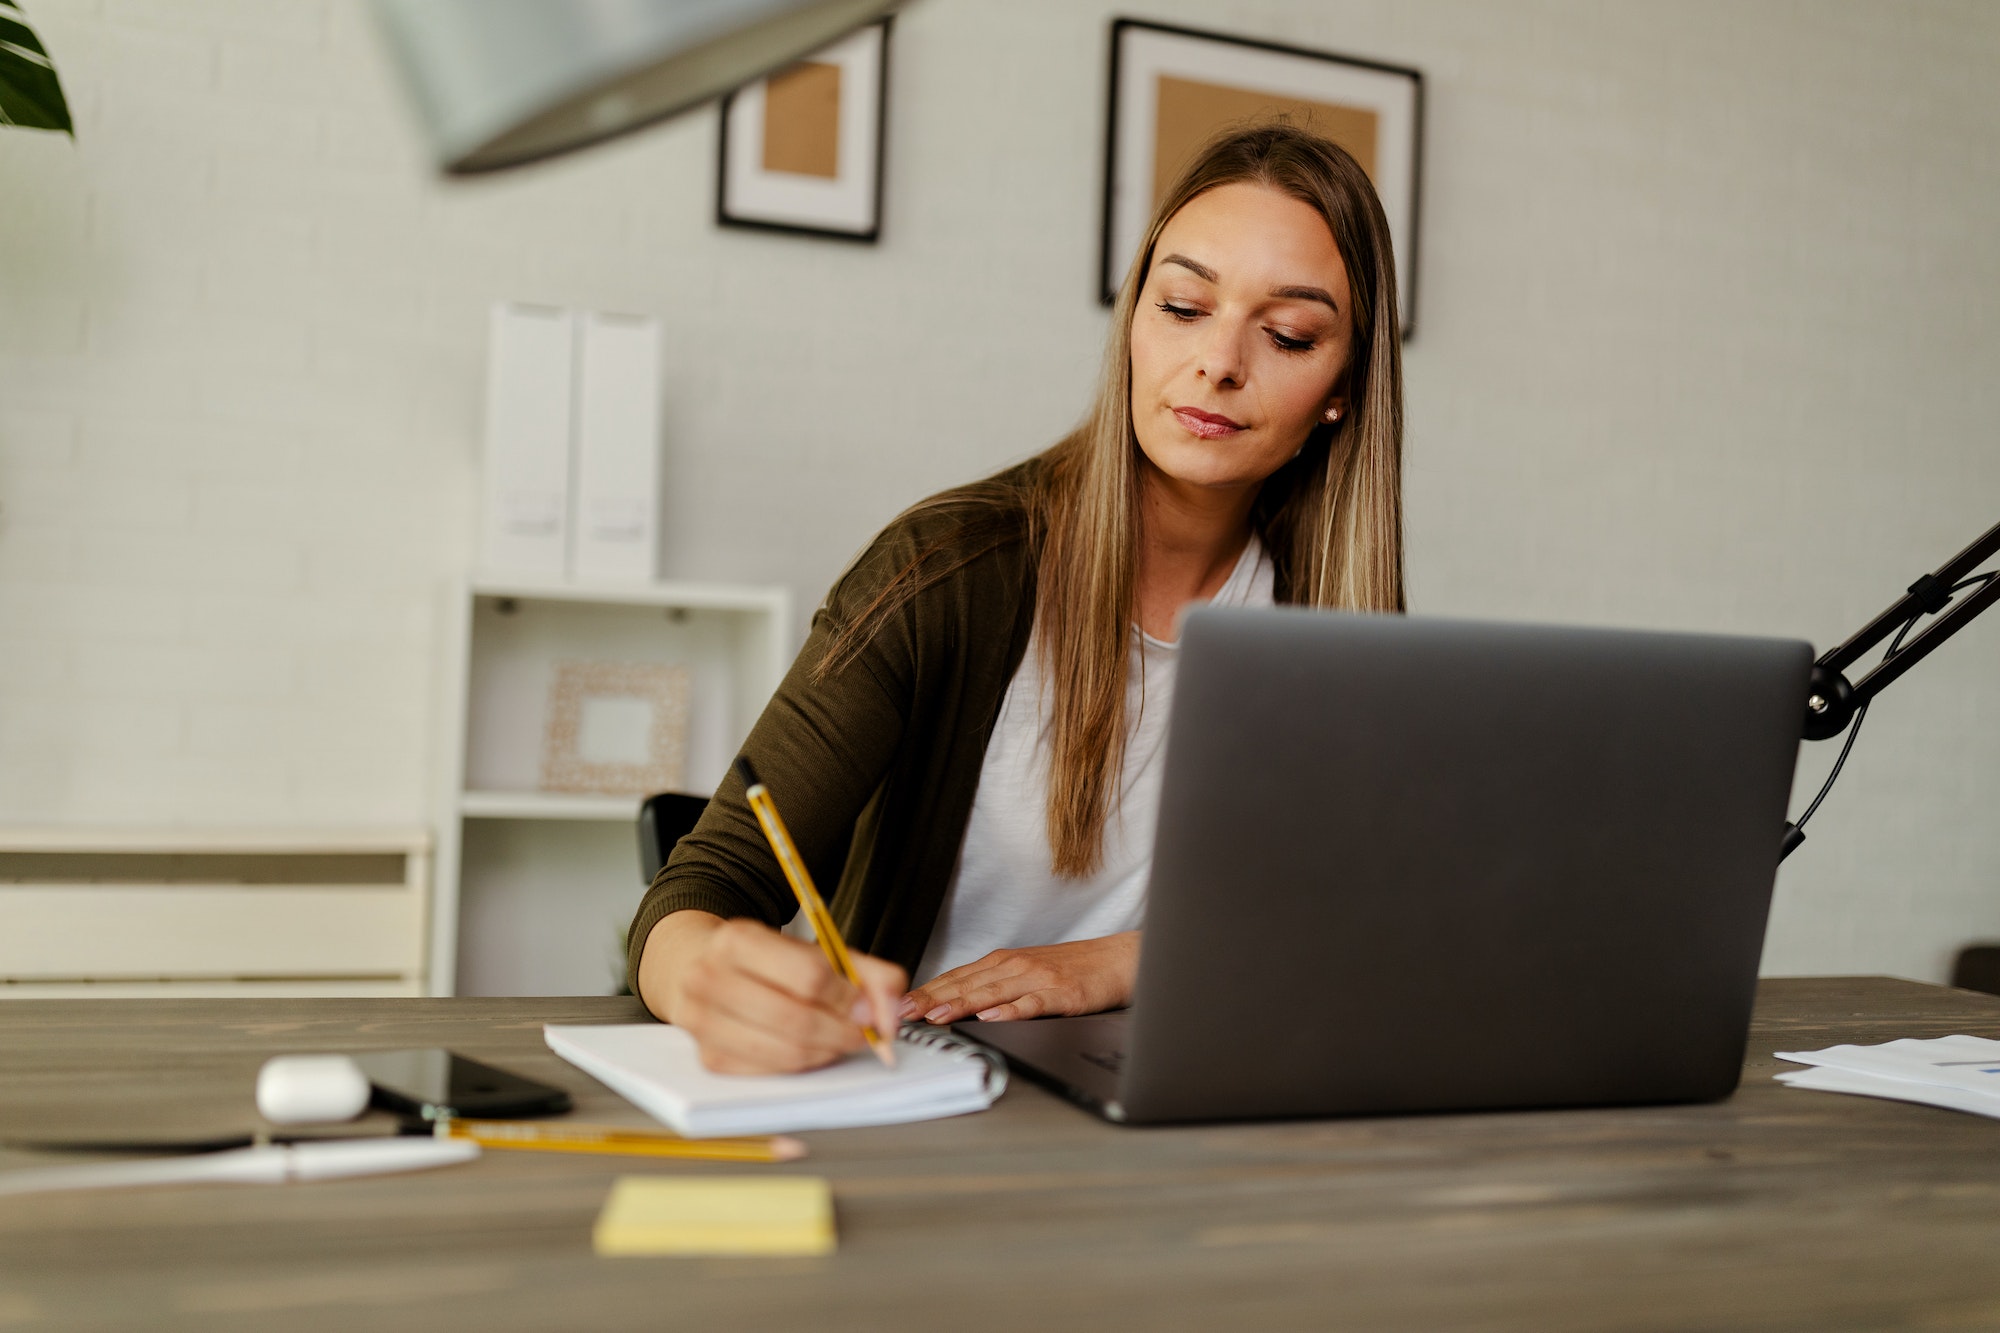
(540, 1136)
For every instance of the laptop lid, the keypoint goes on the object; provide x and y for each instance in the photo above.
(1420, 864)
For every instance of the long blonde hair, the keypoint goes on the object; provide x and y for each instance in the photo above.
(1331, 518)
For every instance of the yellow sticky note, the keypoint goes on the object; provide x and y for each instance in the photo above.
(716, 1215)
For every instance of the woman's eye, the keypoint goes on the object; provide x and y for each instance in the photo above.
(1291, 344)
(1184, 313)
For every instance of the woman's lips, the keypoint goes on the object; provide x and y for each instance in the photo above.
(1208, 425)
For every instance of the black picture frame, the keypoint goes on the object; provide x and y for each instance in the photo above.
(733, 213)
(1112, 264)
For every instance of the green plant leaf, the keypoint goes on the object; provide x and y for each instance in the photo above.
(30, 94)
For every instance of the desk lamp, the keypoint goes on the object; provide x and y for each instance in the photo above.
(499, 83)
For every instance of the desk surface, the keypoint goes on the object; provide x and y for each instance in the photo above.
(1777, 1209)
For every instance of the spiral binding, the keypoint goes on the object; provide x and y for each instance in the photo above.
(944, 1039)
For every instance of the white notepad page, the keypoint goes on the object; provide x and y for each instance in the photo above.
(655, 1067)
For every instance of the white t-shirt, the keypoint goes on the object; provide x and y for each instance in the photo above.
(1005, 893)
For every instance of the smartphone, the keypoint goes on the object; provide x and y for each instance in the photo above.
(437, 1084)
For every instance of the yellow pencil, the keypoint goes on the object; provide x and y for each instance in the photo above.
(540, 1136)
(810, 902)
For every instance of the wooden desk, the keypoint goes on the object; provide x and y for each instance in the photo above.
(1778, 1209)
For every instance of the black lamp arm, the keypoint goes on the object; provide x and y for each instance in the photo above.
(1833, 699)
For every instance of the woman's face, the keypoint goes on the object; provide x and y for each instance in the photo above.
(1240, 337)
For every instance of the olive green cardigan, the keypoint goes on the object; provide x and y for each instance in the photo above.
(875, 766)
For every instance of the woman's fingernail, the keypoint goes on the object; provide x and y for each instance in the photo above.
(937, 1013)
(908, 1008)
(986, 1015)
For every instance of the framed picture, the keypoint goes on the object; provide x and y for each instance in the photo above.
(1172, 88)
(616, 728)
(802, 150)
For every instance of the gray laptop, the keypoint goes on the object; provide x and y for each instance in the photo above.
(1410, 864)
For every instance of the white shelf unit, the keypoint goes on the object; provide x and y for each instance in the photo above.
(534, 887)
(122, 912)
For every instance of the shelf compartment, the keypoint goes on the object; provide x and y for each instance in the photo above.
(534, 887)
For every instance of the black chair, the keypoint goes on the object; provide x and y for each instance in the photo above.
(663, 821)
(1978, 968)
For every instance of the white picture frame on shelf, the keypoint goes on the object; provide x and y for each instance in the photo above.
(616, 729)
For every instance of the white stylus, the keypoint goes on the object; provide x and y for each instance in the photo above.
(269, 1164)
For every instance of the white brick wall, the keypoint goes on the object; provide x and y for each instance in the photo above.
(1707, 340)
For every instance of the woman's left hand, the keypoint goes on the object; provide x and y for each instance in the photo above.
(1082, 977)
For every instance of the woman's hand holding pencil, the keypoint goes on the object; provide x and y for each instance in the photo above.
(758, 1002)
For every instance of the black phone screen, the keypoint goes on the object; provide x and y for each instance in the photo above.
(441, 1085)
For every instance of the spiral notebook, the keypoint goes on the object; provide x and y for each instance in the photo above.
(655, 1067)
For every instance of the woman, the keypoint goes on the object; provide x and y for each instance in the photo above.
(969, 742)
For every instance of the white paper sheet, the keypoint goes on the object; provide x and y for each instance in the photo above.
(1959, 1072)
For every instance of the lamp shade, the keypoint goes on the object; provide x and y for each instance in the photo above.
(502, 82)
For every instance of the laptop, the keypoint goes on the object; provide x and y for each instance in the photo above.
(1409, 864)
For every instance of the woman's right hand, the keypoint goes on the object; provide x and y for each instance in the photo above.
(758, 1002)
